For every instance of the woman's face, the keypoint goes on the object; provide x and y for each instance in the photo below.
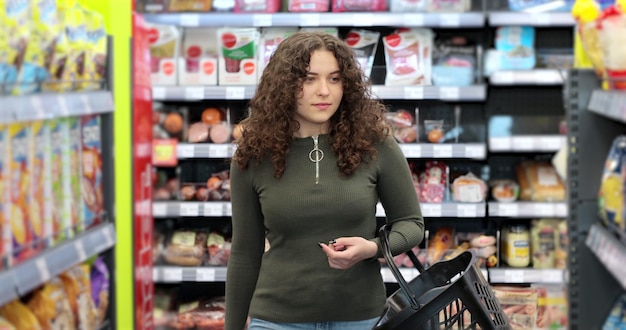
(321, 94)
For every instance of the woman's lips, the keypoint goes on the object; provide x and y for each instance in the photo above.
(322, 106)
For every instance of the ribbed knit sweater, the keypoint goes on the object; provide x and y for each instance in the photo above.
(292, 281)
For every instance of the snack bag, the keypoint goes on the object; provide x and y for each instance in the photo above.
(17, 20)
(611, 193)
(76, 33)
(75, 173)
(51, 307)
(4, 49)
(84, 307)
(19, 315)
(237, 61)
(57, 80)
(60, 178)
(40, 185)
(25, 232)
(5, 216)
(100, 285)
(91, 180)
(96, 51)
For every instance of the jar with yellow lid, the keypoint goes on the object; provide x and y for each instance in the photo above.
(516, 246)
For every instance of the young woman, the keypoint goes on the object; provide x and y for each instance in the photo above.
(314, 159)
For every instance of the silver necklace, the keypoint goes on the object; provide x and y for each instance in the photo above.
(316, 155)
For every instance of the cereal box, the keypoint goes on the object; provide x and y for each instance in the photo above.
(91, 182)
(39, 208)
(164, 43)
(25, 232)
(60, 180)
(198, 61)
(237, 57)
(75, 170)
(16, 22)
(5, 229)
(95, 60)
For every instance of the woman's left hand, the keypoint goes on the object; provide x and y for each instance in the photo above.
(345, 252)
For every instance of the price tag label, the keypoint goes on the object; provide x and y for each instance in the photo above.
(172, 274)
(194, 93)
(205, 275)
(450, 20)
(262, 20)
(476, 152)
(189, 19)
(552, 276)
(543, 209)
(42, 267)
(466, 210)
(560, 210)
(164, 152)
(87, 108)
(219, 151)
(551, 143)
(542, 19)
(38, 107)
(449, 93)
(432, 210)
(228, 209)
(309, 19)
(413, 19)
(155, 274)
(159, 209)
(411, 150)
(213, 209)
(64, 111)
(108, 236)
(189, 209)
(185, 151)
(363, 19)
(548, 76)
(442, 151)
(514, 276)
(158, 93)
(504, 77)
(500, 143)
(235, 93)
(508, 210)
(414, 93)
(80, 250)
(523, 143)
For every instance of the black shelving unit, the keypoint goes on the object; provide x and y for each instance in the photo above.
(592, 288)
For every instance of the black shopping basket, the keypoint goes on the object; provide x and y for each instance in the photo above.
(451, 294)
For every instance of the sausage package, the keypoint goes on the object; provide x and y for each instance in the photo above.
(164, 46)
(186, 248)
(198, 61)
(408, 57)
(519, 305)
(237, 56)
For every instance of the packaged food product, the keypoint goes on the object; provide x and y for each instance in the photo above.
(433, 182)
(40, 190)
(186, 248)
(4, 49)
(539, 182)
(257, 6)
(551, 307)
(359, 5)
(164, 46)
(73, 16)
(198, 60)
(269, 40)
(5, 325)
(469, 188)
(152, 6)
(325, 29)
(611, 196)
(19, 315)
(218, 249)
(51, 307)
(449, 5)
(75, 173)
(504, 190)
(403, 125)
(519, 305)
(611, 27)
(5, 199)
(58, 80)
(364, 43)
(237, 56)
(408, 5)
(516, 245)
(85, 310)
(60, 179)
(408, 57)
(96, 50)
(16, 22)
(91, 169)
(544, 240)
(308, 5)
(562, 246)
(454, 62)
(516, 47)
(100, 286)
(190, 5)
(442, 241)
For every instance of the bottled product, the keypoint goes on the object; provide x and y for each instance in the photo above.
(516, 246)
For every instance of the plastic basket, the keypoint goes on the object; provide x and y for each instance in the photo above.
(451, 294)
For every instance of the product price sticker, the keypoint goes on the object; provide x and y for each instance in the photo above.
(158, 93)
(433, 210)
(219, 151)
(442, 150)
(262, 20)
(172, 274)
(159, 209)
(363, 19)
(42, 268)
(525, 143)
(194, 93)
(185, 150)
(413, 19)
(414, 93)
(551, 142)
(189, 20)
(474, 151)
(467, 210)
(189, 209)
(449, 93)
(411, 150)
(64, 111)
(205, 274)
(514, 276)
(543, 209)
(450, 20)
(309, 19)
(508, 210)
(235, 93)
(212, 209)
(80, 250)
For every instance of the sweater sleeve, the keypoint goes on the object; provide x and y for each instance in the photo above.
(247, 247)
(399, 199)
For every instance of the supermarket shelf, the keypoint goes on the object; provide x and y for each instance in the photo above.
(52, 105)
(441, 20)
(445, 210)
(527, 143)
(23, 278)
(459, 150)
(609, 250)
(527, 209)
(446, 93)
(500, 18)
(528, 77)
(526, 275)
(610, 104)
(204, 150)
(174, 274)
(191, 209)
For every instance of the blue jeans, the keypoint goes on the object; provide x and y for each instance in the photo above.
(258, 324)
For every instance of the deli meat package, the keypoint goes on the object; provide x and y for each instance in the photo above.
(408, 56)
(308, 5)
(359, 5)
(186, 248)
(539, 182)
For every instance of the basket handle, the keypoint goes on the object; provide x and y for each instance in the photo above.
(384, 242)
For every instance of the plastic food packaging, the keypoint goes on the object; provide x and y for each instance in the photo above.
(186, 248)
(408, 57)
(257, 6)
(364, 43)
(308, 5)
(19, 315)
(612, 25)
(611, 196)
(403, 125)
(539, 182)
(504, 190)
(433, 182)
(469, 188)
(359, 5)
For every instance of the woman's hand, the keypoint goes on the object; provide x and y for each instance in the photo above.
(345, 252)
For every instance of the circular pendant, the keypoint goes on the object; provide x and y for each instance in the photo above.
(318, 153)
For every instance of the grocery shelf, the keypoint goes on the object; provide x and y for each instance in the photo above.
(448, 150)
(527, 209)
(527, 143)
(161, 209)
(447, 209)
(204, 150)
(610, 251)
(53, 105)
(611, 104)
(446, 93)
(362, 19)
(175, 274)
(528, 77)
(552, 19)
(526, 275)
(28, 275)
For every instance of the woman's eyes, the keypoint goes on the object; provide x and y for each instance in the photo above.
(332, 79)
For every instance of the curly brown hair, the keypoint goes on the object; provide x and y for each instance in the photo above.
(355, 129)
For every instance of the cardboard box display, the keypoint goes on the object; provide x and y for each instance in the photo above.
(237, 57)
(199, 57)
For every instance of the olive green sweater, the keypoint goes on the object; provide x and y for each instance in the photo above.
(292, 282)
